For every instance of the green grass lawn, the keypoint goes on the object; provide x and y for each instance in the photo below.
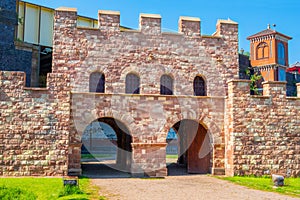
(49, 188)
(291, 187)
(90, 156)
(171, 156)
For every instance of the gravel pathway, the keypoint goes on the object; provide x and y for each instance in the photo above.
(179, 187)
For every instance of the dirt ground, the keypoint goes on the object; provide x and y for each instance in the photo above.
(180, 185)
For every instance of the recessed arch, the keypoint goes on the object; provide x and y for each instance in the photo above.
(104, 145)
(281, 53)
(166, 85)
(194, 148)
(97, 82)
(199, 86)
(132, 84)
(262, 50)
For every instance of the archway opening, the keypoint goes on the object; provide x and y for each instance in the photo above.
(106, 149)
(189, 149)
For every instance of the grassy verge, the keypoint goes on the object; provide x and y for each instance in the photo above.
(91, 156)
(46, 188)
(171, 156)
(291, 187)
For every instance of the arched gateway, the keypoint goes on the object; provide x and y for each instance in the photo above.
(193, 147)
(106, 140)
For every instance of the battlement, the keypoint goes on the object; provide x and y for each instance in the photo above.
(239, 88)
(109, 21)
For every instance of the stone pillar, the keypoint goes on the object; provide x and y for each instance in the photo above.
(189, 26)
(274, 89)
(149, 159)
(65, 25)
(228, 31)
(227, 28)
(59, 98)
(238, 93)
(150, 24)
(109, 21)
(74, 157)
(298, 90)
(238, 88)
(218, 160)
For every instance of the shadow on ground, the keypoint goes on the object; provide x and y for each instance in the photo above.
(100, 170)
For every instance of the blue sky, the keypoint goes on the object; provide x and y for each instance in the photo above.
(252, 16)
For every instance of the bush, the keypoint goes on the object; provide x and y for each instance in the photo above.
(15, 194)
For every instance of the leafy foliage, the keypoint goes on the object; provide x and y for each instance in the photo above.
(255, 78)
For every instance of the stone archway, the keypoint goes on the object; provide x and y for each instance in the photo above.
(120, 140)
(194, 147)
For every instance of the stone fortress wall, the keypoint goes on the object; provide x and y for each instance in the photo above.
(262, 133)
(148, 53)
(34, 126)
(40, 129)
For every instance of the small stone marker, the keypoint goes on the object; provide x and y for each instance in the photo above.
(72, 181)
(278, 180)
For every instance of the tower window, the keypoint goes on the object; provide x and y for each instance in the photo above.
(97, 82)
(166, 85)
(132, 84)
(262, 51)
(281, 53)
(199, 86)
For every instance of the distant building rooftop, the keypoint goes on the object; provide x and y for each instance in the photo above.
(266, 32)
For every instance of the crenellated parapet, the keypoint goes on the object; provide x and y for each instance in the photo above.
(80, 51)
(190, 26)
(109, 21)
(150, 24)
(241, 88)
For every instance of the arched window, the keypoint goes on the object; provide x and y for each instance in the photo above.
(262, 50)
(97, 82)
(132, 84)
(199, 86)
(281, 56)
(166, 85)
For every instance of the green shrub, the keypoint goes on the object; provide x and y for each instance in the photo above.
(70, 190)
(10, 193)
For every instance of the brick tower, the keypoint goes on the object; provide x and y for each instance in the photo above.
(269, 54)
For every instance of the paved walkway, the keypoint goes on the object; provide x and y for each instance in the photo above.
(180, 186)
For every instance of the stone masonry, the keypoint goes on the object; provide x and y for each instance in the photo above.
(34, 126)
(262, 132)
(149, 54)
(41, 129)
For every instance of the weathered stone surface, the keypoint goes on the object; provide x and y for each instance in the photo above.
(41, 129)
(34, 131)
(262, 133)
(149, 54)
(278, 180)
